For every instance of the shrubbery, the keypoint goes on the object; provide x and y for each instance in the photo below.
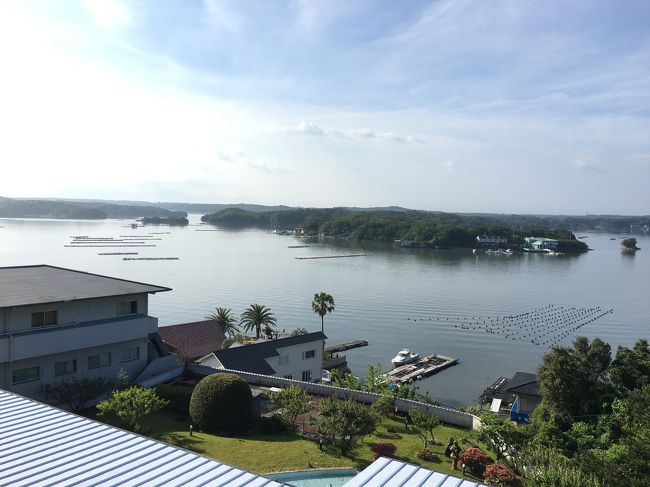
(500, 475)
(221, 402)
(382, 450)
(475, 460)
(272, 425)
(426, 454)
(178, 397)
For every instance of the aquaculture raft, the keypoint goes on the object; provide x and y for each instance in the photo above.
(426, 366)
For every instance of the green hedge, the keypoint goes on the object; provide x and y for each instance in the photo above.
(178, 397)
(221, 402)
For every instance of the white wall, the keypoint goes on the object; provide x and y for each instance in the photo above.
(20, 318)
(47, 365)
(297, 364)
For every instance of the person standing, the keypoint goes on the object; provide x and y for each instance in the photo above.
(455, 454)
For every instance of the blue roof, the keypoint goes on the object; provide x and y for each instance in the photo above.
(43, 445)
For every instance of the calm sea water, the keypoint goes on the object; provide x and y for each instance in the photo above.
(426, 300)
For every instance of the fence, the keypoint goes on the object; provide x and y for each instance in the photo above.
(446, 415)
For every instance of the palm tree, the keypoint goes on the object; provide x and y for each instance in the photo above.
(224, 319)
(257, 316)
(322, 304)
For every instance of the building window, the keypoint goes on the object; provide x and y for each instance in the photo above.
(129, 354)
(290, 376)
(127, 308)
(65, 368)
(308, 354)
(44, 318)
(26, 375)
(283, 360)
(306, 375)
(101, 360)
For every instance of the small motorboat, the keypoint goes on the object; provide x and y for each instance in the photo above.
(405, 356)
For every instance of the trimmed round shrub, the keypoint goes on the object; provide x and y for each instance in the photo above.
(221, 402)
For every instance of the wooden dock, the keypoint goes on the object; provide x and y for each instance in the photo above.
(342, 347)
(330, 256)
(426, 366)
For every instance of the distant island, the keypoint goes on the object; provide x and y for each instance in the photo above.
(418, 228)
(629, 245)
(165, 220)
(62, 209)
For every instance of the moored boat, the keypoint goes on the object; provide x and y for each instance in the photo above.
(405, 356)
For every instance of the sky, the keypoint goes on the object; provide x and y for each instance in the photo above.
(468, 106)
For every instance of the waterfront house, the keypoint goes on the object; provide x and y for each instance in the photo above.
(191, 341)
(520, 393)
(56, 324)
(491, 240)
(297, 357)
(540, 243)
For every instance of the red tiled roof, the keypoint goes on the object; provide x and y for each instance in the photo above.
(192, 340)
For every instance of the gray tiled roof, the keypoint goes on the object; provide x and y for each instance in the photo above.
(25, 285)
(251, 358)
(42, 445)
(523, 383)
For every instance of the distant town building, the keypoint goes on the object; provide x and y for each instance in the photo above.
(56, 324)
(491, 240)
(540, 243)
(191, 341)
(298, 357)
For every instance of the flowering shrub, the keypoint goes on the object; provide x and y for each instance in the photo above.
(425, 454)
(501, 475)
(475, 460)
(382, 450)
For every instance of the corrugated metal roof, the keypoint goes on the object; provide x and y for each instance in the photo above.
(386, 472)
(42, 445)
(25, 285)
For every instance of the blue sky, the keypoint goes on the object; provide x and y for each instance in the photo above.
(499, 106)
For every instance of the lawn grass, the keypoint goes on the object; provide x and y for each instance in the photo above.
(282, 452)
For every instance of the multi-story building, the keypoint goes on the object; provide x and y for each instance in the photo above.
(56, 324)
(297, 357)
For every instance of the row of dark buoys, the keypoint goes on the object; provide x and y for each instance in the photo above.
(545, 326)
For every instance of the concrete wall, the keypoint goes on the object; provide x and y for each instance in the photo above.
(446, 415)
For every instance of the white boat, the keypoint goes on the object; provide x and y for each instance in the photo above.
(404, 357)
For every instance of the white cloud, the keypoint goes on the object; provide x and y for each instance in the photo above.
(111, 15)
(587, 165)
(448, 165)
(220, 16)
(306, 128)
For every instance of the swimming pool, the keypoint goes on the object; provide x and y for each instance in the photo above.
(316, 478)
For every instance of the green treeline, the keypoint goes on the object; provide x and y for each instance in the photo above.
(14, 208)
(427, 229)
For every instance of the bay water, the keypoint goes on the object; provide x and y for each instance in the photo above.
(497, 314)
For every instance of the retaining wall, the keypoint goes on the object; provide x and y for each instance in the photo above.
(446, 415)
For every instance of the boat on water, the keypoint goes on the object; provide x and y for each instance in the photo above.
(405, 356)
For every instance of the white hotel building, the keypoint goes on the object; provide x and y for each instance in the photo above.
(56, 324)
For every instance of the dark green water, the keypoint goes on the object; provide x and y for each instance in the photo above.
(420, 299)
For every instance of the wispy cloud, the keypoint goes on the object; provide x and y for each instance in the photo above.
(587, 165)
(111, 15)
(306, 128)
(241, 159)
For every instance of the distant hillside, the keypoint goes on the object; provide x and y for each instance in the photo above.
(18, 208)
(424, 229)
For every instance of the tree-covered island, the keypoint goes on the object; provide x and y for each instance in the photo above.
(419, 228)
